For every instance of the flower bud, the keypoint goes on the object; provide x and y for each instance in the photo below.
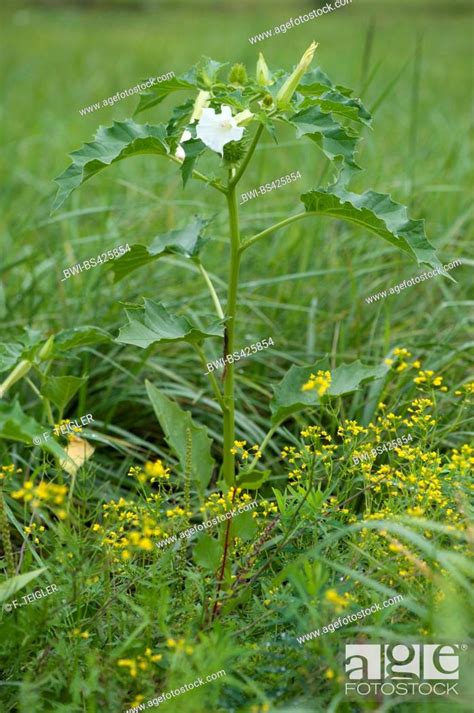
(243, 117)
(202, 101)
(288, 88)
(238, 74)
(21, 370)
(47, 349)
(263, 75)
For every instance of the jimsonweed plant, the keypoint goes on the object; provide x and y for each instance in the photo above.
(221, 120)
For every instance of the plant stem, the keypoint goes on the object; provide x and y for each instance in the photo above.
(247, 243)
(215, 608)
(264, 444)
(229, 335)
(293, 218)
(233, 182)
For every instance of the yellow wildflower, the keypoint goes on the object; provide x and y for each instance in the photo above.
(320, 382)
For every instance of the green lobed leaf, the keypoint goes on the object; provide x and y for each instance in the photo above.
(288, 398)
(202, 76)
(375, 212)
(79, 337)
(335, 140)
(187, 241)
(333, 102)
(158, 92)
(177, 426)
(314, 82)
(33, 341)
(61, 389)
(153, 324)
(113, 143)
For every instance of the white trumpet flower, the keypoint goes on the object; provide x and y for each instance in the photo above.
(217, 130)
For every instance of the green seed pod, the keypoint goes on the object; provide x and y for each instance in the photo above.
(263, 76)
(47, 349)
(238, 74)
(21, 370)
(267, 101)
(234, 151)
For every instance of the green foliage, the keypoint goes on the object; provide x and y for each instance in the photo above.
(61, 389)
(13, 585)
(187, 242)
(176, 425)
(289, 398)
(16, 425)
(207, 552)
(152, 323)
(308, 289)
(121, 140)
(375, 212)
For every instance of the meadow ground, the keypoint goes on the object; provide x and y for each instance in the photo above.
(127, 621)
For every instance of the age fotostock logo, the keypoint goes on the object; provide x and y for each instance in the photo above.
(402, 669)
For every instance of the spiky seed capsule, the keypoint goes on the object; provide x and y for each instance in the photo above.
(238, 74)
(234, 151)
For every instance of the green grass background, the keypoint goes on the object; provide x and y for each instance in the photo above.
(306, 285)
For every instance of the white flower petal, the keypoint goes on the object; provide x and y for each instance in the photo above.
(217, 130)
(226, 112)
(179, 153)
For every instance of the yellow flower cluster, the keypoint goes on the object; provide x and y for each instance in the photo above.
(33, 530)
(65, 422)
(428, 379)
(351, 428)
(6, 471)
(465, 390)
(43, 494)
(340, 602)
(267, 508)
(151, 472)
(317, 446)
(272, 593)
(418, 416)
(462, 461)
(128, 527)
(78, 634)
(179, 646)
(400, 362)
(220, 503)
(178, 512)
(140, 662)
(241, 449)
(425, 487)
(321, 381)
